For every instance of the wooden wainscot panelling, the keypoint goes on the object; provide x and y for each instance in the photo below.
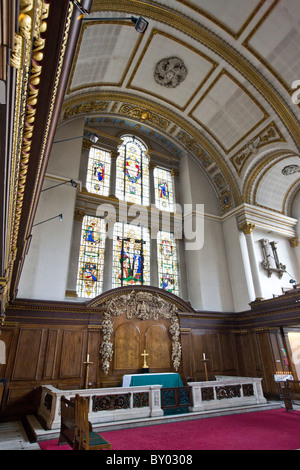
(94, 341)
(72, 356)
(219, 350)
(51, 354)
(246, 359)
(266, 343)
(27, 356)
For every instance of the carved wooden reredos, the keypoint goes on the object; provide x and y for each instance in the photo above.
(139, 303)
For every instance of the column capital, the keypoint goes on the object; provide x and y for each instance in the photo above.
(174, 173)
(114, 153)
(294, 242)
(247, 228)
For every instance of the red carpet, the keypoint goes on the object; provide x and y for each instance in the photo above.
(263, 430)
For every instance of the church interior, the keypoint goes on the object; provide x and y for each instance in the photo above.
(150, 198)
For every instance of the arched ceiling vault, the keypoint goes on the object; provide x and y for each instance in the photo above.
(232, 111)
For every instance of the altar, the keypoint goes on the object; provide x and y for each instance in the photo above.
(166, 379)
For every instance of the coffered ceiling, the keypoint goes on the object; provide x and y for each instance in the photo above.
(212, 79)
(224, 95)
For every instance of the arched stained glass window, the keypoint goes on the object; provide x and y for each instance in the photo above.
(164, 192)
(167, 262)
(98, 172)
(131, 255)
(91, 257)
(132, 178)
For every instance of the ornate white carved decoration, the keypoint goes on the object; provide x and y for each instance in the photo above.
(170, 72)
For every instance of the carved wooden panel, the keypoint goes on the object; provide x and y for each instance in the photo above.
(27, 354)
(71, 354)
(127, 353)
(157, 345)
(51, 353)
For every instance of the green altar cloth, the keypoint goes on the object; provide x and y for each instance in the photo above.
(167, 380)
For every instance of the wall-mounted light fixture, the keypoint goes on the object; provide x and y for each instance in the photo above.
(73, 183)
(60, 216)
(140, 23)
(91, 136)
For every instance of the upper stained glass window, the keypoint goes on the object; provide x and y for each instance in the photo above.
(131, 255)
(98, 172)
(167, 262)
(91, 257)
(132, 178)
(164, 193)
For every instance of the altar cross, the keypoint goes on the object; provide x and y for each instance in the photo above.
(145, 362)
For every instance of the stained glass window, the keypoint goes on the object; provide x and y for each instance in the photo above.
(131, 255)
(98, 172)
(167, 262)
(91, 257)
(164, 193)
(132, 178)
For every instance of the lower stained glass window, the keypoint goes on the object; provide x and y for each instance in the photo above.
(131, 255)
(167, 262)
(91, 257)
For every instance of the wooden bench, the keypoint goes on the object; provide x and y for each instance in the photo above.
(291, 393)
(86, 439)
(67, 425)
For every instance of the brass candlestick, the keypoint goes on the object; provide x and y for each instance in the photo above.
(205, 361)
(87, 363)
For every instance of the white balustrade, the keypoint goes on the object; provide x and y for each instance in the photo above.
(49, 409)
(226, 392)
(145, 401)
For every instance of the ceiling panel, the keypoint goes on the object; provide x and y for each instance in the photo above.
(161, 46)
(228, 111)
(105, 54)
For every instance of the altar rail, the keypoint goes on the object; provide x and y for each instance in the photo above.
(108, 405)
(105, 404)
(225, 392)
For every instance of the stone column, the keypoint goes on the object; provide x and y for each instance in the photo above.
(174, 174)
(153, 257)
(113, 172)
(247, 229)
(294, 243)
(152, 166)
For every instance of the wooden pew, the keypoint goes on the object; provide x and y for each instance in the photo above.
(291, 393)
(86, 439)
(67, 425)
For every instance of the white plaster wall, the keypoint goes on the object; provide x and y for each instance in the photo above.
(208, 278)
(45, 270)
